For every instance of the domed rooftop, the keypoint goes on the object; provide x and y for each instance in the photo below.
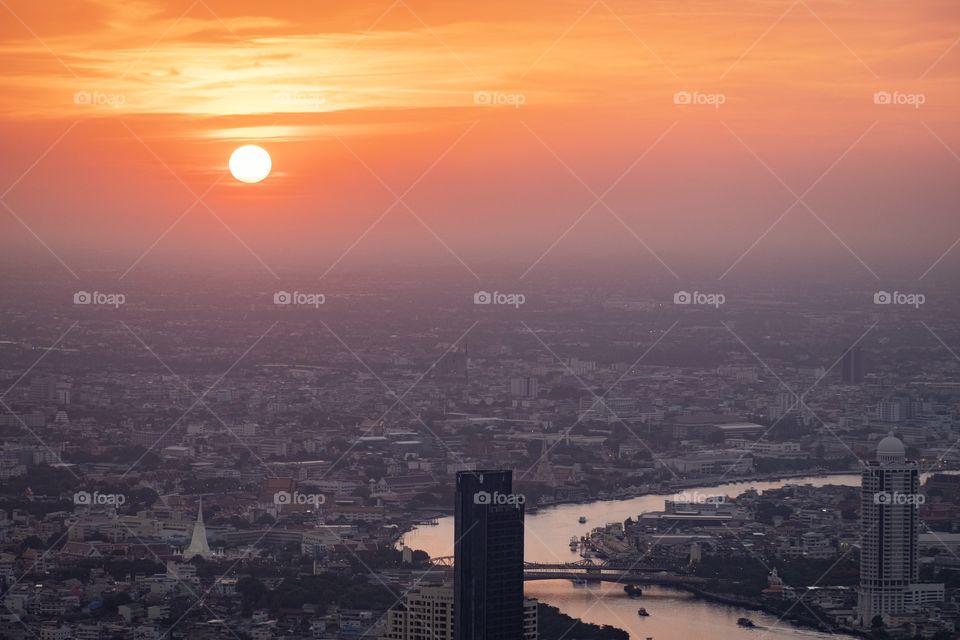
(891, 449)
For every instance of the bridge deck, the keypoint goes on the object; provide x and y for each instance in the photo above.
(590, 572)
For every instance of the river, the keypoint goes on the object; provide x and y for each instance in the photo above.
(674, 615)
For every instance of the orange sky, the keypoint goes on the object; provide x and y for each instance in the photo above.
(357, 100)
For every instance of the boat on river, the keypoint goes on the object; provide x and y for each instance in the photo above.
(643, 613)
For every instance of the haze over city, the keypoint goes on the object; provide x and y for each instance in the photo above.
(405, 320)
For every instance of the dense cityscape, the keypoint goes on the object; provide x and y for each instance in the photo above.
(267, 479)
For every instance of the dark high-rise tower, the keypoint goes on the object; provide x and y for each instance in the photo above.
(455, 364)
(488, 557)
(42, 389)
(851, 366)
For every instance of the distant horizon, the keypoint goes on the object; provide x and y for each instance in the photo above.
(71, 267)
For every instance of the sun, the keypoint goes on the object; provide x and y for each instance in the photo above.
(250, 163)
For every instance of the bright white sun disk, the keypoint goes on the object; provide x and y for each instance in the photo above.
(250, 163)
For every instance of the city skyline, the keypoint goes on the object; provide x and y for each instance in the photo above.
(420, 320)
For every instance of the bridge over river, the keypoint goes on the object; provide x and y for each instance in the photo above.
(586, 571)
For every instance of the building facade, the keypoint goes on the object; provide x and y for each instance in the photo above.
(426, 613)
(488, 557)
(852, 370)
(890, 527)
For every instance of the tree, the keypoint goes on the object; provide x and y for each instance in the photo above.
(31, 542)
(555, 625)
(112, 601)
(252, 593)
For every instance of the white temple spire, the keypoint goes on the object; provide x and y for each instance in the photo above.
(198, 543)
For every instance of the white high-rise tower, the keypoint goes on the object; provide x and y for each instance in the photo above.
(889, 527)
(198, 543)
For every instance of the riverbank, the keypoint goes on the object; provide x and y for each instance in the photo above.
(427, 515)
(800, 618)
(673, 612)
(695, 483)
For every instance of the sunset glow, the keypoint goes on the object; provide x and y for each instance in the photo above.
(520, 117)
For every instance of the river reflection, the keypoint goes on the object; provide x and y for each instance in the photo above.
(674, 615)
